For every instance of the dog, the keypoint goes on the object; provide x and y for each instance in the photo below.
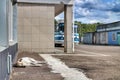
(27, 61)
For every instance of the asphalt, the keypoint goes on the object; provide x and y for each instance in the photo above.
(34, 73)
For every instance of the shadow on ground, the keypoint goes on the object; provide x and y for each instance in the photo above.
(34, 73)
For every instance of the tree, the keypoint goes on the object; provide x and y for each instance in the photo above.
(55, 24)
(55, 21)
(84, 28)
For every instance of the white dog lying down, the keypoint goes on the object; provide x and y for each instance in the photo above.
(27, 61)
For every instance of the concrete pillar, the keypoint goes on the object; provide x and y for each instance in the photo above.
(68, 15)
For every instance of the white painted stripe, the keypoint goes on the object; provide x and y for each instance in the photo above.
(66, 72)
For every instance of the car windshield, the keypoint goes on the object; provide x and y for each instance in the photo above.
(76, 34)
(58, 33)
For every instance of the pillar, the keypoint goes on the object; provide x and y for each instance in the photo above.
(68, 15)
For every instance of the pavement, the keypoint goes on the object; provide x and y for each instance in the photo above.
(34, 73)
(97, 62)
(59, 67)
(87, 62)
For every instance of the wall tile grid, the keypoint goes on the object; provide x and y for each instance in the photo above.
(36, 27)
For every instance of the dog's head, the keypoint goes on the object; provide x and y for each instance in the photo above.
(19, 63)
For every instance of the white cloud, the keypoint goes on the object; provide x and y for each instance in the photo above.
(90, 11)
(93, 21)
(79, 1)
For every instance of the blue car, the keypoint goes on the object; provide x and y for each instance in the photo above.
(76, 38)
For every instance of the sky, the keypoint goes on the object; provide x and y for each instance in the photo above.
(93, 11)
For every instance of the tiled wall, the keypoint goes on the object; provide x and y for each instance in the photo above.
(36, 27)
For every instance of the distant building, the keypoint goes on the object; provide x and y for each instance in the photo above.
(108, 34)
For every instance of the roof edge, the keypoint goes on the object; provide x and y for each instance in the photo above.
(66, 2)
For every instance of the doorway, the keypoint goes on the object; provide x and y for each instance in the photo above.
(118, 37)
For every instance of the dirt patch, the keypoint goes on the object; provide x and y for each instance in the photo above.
(95, 67)
(34, 73)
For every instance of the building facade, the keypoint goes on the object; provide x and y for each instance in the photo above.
(28, 25)
(110, 33)
(87, 38)
(36, 24)
(8, 37)
(106, 34)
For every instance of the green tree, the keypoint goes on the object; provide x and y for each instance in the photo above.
(84, 28)
(55, 24)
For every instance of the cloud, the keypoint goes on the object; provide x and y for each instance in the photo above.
(93, 21)
(97, 10)
(103, 5)
(81, 12)
(89, 11)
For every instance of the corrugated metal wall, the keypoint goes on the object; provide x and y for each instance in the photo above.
(97, 36)
(113, 37)
(106, 34)
(87, 38)
(103, 37)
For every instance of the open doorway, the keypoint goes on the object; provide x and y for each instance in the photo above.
(59, 32)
